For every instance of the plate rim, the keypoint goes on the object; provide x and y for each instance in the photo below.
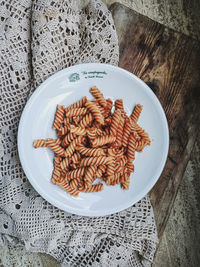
(59, 204)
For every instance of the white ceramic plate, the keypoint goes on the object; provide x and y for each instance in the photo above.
(66, 87)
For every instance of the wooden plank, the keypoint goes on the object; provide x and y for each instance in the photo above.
(169, 62)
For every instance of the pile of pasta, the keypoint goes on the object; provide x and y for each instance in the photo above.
(93, 141)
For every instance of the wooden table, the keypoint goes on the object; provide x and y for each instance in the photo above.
(169, 62)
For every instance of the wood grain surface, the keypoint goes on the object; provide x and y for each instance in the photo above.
(169, 62)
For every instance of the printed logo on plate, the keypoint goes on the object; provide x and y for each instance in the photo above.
(74, 77)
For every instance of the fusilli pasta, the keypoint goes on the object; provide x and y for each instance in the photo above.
(59, 117)
(99, 96)
(131, 148)
(63, 131)
(76, 112)
(91, 151)
(72, 146)
(40, 143)
(109, 105)
(102, 140)
(65, 163)
(136, 113)
(115, 122)
(119, 105)
(51, 143)
(76, 157)
(90, 176)
(79, 172)
(127, 131)
(68, 139)
(78, 104)
(95, 111)
(120, 129)
(77, 130)
(86, 120)
(93, 141)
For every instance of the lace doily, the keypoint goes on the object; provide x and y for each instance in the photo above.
(37, 39)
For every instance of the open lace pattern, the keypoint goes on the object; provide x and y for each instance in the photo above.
(37, 39)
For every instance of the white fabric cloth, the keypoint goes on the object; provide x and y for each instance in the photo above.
(37, 39)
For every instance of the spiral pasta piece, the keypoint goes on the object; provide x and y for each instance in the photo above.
(144, 135)
(119, 152)
(77, 173)
(76, 112)
(137, 137)
(95, 111)
(74, 183)
(108, 121)
(77, 119)
(63, 131)
(72, 146)
(127, 132)
(65, 163)
(90, 176)
(109, 104)
(91, 151)
(111, 167)
(57, 162)
(78, 104)
(99, 132)
(140, 144)
(116, 179)
(115, 122)
(111, 179)
(107, 131)
(136, 113)
(131, 147)
(111, 152)
(76, 157)
(102, 140)
(122, 160)
(66, 121)
(77, 130)
(125, 185)
(73, 166)
(96, 161)
(92, 133)
(59, 117)
(124, 177)
(130, 165)
(51, 143)
(100, 170)
(56, 175)
(68, 139)
(103, 111)
(119, 136)
(39, 143)
(118, 168)
(99, 96)
(119, 105)
(86, 120)
(58, 141)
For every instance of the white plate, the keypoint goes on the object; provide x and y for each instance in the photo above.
(66, 87)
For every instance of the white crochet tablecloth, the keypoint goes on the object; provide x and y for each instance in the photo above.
(37, 39)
